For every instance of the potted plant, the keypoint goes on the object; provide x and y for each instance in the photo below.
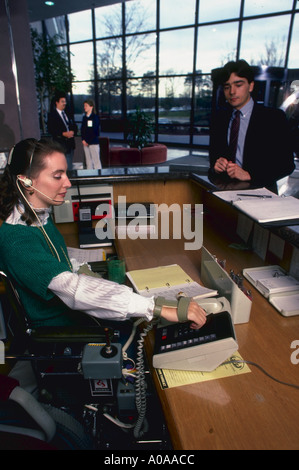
(140, 130)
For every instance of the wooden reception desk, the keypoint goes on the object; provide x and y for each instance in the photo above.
(248, 411)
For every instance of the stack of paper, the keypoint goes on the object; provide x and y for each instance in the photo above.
(263, 206)
(277, 286)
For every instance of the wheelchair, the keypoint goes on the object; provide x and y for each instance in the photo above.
(69, 407)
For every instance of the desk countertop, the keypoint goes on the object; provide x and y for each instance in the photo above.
(167, 173)
(248, 411)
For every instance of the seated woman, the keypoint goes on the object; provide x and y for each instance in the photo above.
(33, 253)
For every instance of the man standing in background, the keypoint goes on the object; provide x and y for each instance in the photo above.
(62, 128)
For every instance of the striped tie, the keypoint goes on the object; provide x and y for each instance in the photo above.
(234, 133)
(66, 121)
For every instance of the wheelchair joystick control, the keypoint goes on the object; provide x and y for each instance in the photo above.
(108, 350)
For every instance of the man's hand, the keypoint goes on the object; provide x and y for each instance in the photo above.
(235, 171)
(221, 165)
(68, 134)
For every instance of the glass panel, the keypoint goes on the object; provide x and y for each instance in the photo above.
(56, 27)
(80, 27)
(176, 51)
(108, 21)
(82, 61)
(174, 109)
(110, 96)
(140, 16)
(141, 94)
(176, 13)
(264, 41)
(216, 45)
(262, 7)
(141, 54)
(109, 58)
(214, 10)
(202, 109)
(294, 50)
(203, 98)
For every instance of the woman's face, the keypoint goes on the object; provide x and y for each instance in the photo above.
(88, 109)
(50, 186)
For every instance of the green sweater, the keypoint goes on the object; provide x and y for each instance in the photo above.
(26, 258)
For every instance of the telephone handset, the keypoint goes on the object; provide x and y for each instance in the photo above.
(213, 304)
(177, 346)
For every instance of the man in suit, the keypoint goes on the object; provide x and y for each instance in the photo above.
(248, 142)
(62, 128)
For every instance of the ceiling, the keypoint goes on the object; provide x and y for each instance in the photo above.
(39, 11)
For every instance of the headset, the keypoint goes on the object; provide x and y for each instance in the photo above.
(28, 184)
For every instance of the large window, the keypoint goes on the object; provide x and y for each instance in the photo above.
(158, 55)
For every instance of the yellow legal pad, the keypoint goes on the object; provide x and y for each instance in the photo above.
(175, 378)
(145, 279)
(167, 281)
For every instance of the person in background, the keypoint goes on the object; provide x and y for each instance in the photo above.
(90, 133)
(62, 127)
(34, 256)
(249, 142)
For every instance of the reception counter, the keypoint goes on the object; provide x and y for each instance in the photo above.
(183, 175)
(249, 411)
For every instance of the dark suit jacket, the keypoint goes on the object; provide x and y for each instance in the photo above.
(56, 127)
(267, 155)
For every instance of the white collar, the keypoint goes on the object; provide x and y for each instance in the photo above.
(15, 217)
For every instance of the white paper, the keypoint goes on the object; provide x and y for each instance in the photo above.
(278, 284)
(86, 256)
(233, 196)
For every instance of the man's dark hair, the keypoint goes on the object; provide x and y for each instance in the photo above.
(59, 95)
(240, 68)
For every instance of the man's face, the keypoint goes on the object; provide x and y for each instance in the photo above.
(237, 91)
(61, 104)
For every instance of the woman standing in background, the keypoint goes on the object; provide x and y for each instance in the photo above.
(90, 132)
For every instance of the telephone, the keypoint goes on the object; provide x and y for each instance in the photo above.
(179, 347)
(214, 305)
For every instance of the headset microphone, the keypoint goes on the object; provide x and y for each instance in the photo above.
(28, 184)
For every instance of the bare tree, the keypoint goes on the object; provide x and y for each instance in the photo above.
(274, 55)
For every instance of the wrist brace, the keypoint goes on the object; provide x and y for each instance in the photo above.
(181, 305)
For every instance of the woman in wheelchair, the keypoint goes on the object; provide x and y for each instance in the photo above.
(34, 256)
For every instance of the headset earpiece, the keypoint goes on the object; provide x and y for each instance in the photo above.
(26, 181)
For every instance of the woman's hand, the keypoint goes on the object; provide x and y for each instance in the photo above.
(195, 314)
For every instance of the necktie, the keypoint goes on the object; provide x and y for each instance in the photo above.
(66, 122)
(234, 133)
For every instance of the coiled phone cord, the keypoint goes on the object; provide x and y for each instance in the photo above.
(141, 425)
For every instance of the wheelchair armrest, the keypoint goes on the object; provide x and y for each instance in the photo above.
(71, 334)
(10, 390)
